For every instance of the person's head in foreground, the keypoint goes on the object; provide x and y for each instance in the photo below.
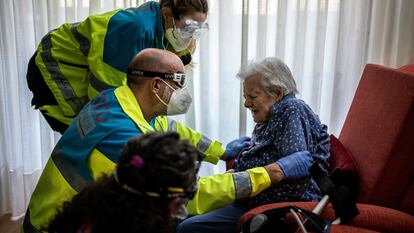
(265, 83)
(155, 176)
(184, 22)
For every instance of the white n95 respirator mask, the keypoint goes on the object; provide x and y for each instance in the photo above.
(180, 101)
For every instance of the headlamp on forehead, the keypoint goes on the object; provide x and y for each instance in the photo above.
(179, 77)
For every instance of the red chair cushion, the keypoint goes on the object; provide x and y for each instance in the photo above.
(383, 219)
(343, 168)
(340, 157)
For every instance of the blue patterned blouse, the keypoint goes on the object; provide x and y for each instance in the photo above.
(292, 127)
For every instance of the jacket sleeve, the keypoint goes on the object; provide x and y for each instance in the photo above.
(115, 38)
(107, 41)
(213, 150)
(92, 36)
(220, 190)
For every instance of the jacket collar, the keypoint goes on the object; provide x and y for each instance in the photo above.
(130, 106)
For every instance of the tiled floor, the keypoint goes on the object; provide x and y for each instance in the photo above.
(8, 226)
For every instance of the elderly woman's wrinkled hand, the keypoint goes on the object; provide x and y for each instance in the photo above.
(275, 173)
(236, 146)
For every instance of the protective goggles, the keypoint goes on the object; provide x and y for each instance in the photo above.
(190, 28)
(178, 78)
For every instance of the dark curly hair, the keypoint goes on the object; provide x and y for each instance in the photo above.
(105, 206)
(185, 7)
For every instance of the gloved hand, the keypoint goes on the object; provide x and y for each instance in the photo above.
(234, 147)
(296, 165)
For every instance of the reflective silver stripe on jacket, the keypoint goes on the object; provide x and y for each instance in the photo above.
(97, 84)
(242, 185)
(84, 43)
(61, 81)
(68, 171)
(85, 46)
(204, 143)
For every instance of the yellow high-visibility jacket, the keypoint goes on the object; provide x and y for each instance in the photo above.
(91, 147)
(78, 60)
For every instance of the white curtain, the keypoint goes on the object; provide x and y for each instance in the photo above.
(325, 43)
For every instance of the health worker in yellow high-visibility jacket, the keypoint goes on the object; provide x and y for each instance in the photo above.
(91, 145)
(76, 61)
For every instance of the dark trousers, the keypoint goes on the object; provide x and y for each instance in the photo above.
(223, 220)
(42, 94)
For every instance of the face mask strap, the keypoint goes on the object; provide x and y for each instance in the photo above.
(175, 27)
(159, 98)
(168, 85)
(162, 101)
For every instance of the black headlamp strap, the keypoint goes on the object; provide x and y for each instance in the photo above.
(178, 77)
(144, 73)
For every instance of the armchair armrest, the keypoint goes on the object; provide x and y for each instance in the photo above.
(371, 218)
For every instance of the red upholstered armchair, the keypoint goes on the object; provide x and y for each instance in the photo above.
(379, 135)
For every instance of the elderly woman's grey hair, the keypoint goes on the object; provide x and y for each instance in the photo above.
(272, 72)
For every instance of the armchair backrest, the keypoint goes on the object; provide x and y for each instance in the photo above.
(379, 134)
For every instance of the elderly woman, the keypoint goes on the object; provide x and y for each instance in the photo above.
(284, 125)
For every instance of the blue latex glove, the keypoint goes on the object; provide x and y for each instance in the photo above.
(234, 147)
(296, 165)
